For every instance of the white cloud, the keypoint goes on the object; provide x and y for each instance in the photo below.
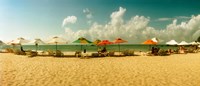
(88, 13)
(136, 30)
(183, 17)
(69, 20)
(164, 19)
(170, 19)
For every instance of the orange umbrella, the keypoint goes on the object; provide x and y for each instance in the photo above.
(118, 41)
(105, 42)
(150, 42)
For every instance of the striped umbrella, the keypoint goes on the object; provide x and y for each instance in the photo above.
(81, 41)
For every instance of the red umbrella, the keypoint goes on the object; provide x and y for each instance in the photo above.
(104, 42)
(118, 41)
(150, 42)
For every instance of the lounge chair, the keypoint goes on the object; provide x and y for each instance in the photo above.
(78, 54)
(58, 53)
(19, 52)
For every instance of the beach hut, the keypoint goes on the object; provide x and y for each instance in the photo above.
(57, 40)
(118, 41)
(172, 42)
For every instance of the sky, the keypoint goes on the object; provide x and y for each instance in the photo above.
(132, 20)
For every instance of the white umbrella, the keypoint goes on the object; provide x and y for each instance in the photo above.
(155, 39)
(19, 41)
(2, 43)
(193, 43)
(172, 42)
(57, 40)
(37, 41)
(183, 43)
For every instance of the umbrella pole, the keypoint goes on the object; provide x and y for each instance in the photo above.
(119, 49)
(36, 46)
(81, 48)
(56, 46)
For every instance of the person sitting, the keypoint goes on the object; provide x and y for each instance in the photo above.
(152, 50)
(181, 50)
(104, 51)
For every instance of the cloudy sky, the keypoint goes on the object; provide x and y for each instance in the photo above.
(132, 20)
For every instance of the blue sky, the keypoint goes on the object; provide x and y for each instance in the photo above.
(43, 18)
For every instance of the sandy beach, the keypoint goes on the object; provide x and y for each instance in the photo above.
(173, 70)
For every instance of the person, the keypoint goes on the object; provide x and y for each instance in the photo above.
(22, 49)
(84, 51)
(104, 50)
(152, 50)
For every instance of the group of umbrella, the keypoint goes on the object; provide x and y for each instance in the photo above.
(155, 41)
(58, 40)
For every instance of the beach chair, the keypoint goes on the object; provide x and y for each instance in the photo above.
(50, 52)
(58, 53)
(31, 53)
(162, 52)
(19, 52)
(111, 53)
(78, 54)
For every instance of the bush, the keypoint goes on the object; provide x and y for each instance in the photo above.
(128, 52)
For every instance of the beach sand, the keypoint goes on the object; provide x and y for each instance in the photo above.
(173, 70)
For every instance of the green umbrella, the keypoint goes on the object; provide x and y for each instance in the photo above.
(81, 41)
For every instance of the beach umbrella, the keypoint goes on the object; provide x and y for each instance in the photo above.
(104, 43)
(193, 43)
(183, 43)
(150, 42)
(19, 41)
(155, 39)
(172, 42)
(96, 41)
(36, 42)
(118, 41)
(81, 41)
(2, 43)
(57, 40)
